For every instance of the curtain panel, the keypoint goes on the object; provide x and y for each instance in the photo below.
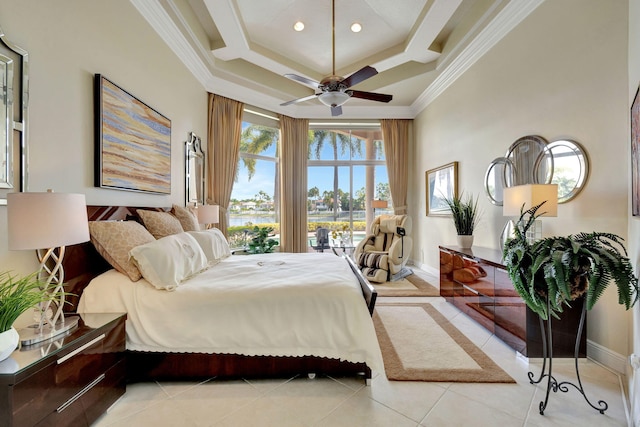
(395, 133)
(293, 183)
(223, 147)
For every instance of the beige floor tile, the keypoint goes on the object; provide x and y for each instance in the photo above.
(296, 403)
(361, 411)
(411, 398)
(138, 397)
(456, 410)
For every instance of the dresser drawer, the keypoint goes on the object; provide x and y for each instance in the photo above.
(66, 375)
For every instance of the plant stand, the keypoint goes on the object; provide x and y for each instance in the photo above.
(547, 351)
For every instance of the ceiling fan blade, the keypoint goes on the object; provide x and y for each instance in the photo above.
(305, 81)
(336, 111)
(380, 97)
(359, 76)
(295, 101)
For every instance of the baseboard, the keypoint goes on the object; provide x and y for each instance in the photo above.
(425, 267)
(612, 360)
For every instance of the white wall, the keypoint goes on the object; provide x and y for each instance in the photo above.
(562, 73)
(68, 42)
(634, 223)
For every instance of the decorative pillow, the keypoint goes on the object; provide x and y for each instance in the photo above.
(187, 218)
(167, 262)
(160, 224)
(114, 239)
(213, 244)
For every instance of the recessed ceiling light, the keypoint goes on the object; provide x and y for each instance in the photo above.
(356, 27)
(298, 26)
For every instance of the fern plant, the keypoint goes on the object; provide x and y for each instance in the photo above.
(561, 269)
(465, 213)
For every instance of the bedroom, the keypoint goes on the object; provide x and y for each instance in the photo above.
(558, 74)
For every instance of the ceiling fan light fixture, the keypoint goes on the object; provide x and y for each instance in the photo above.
(298, 26)
(333, 99)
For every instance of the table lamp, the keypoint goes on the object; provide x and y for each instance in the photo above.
(208, 214)
(523, 197)
(47, 222)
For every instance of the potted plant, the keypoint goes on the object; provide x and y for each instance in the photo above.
(17, 295)
(261, 243)
(554, 271)
(465, 217)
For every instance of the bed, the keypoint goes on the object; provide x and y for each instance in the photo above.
(247, 314)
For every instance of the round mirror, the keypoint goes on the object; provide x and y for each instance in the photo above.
(570, 168)
(532, 160)
(499, 175)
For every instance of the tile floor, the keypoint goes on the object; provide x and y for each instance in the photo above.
(329, 402)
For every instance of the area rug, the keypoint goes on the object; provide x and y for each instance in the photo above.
(410, 286)
(419, 344)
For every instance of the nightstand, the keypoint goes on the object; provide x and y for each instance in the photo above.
(68, 381)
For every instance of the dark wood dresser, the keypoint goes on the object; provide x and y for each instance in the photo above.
(476, 281)
(68, 381)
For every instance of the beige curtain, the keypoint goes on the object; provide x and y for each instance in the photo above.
(223, 146)
(395, 133)
(293, 184)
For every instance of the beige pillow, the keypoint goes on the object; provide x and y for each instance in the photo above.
(114, 239)
(187, 218)
(160, 224)
(167, 262)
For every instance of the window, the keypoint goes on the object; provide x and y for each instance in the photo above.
(254, 199)
(346, 173)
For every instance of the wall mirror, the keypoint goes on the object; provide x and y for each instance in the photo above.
(533, 160)
(499, 176)
(570, 168)
(14, 96)
(195, 162)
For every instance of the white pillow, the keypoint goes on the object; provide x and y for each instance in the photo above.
(213, 244)
(168, 261)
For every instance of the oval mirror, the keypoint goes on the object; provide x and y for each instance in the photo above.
(499, 175)
(532, 160)
(570, 168)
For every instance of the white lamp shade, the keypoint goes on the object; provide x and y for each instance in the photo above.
(208, 214)
(333, 99)
(530, 195)
(46, 220)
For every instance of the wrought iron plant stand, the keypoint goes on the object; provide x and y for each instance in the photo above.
(547, 354)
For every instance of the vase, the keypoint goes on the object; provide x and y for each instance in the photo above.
(8, 342)
(465, 241)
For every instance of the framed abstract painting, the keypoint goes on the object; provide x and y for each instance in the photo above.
(133, 142)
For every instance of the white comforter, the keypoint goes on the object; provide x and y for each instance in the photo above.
(272, 305)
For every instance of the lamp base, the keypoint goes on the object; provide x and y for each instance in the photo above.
(33, 334)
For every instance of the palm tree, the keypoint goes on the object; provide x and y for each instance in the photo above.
(257, 139)
(339, 141)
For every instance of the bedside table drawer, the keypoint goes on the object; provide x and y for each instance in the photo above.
(72, 374)
(92, 401)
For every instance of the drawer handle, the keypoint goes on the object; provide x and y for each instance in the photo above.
(80, 349)
(79, 394)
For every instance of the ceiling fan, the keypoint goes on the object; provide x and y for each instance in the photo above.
(335, 90)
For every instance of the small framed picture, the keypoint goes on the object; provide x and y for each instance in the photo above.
(442, 183)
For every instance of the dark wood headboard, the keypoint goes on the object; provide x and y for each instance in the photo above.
(82, 262)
